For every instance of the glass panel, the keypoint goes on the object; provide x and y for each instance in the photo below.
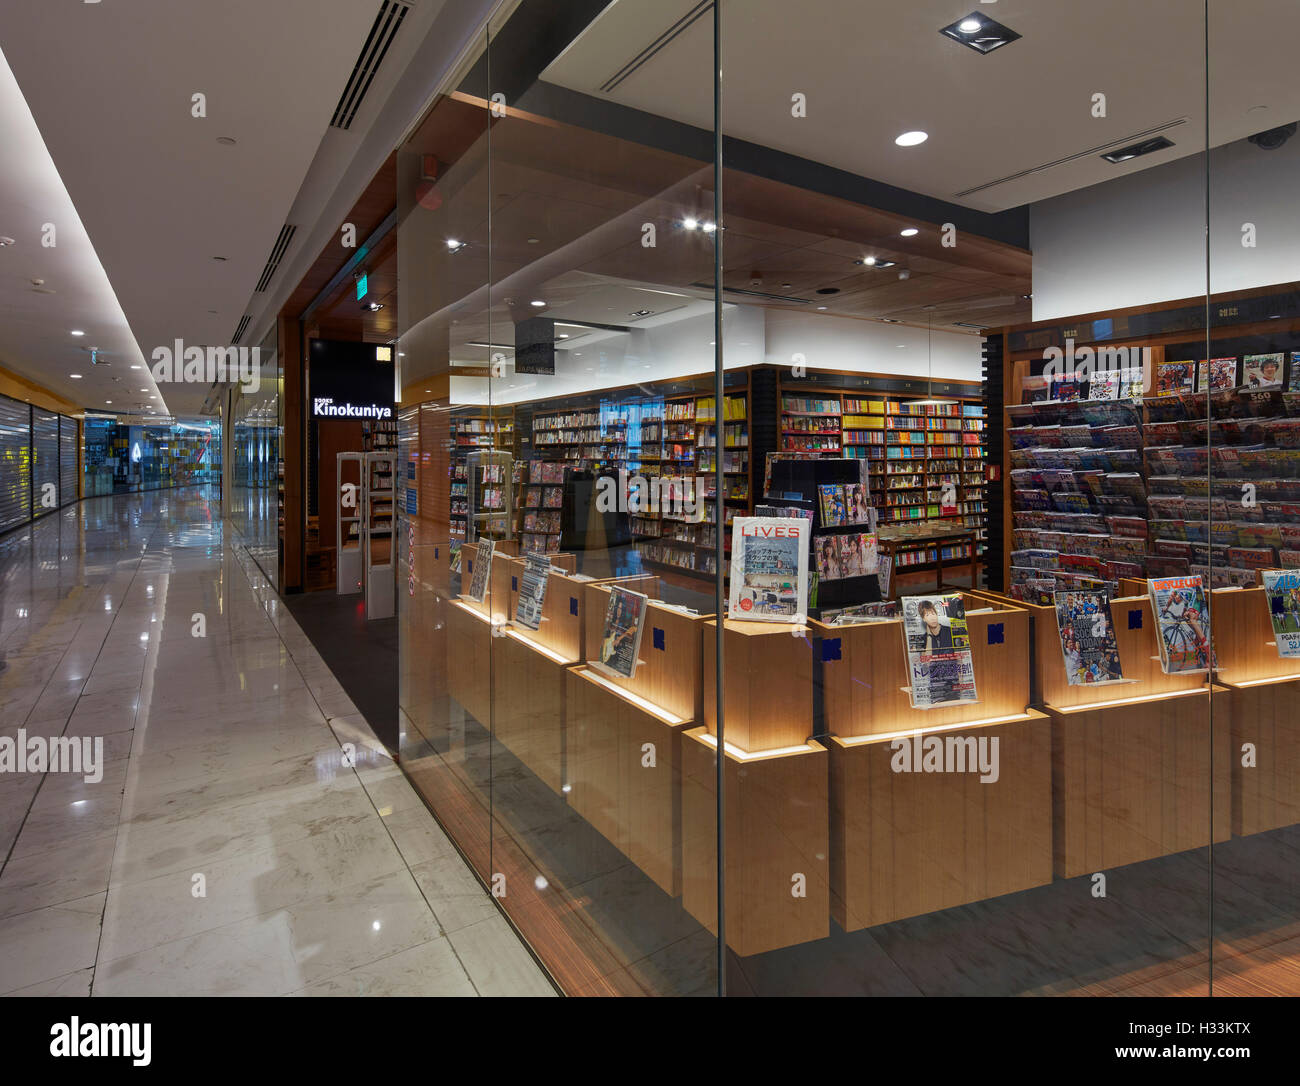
(960, 298)
(442, 270)
(1254, 495)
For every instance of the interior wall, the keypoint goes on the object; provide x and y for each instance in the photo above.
(1140, 239)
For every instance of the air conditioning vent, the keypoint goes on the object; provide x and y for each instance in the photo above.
(387, 23)
(243, 327)
(277, 254)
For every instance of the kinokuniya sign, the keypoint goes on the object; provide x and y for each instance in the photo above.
(350, 381)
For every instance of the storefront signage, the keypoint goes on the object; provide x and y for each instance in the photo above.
(347, 381)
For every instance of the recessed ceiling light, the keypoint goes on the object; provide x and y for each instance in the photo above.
(868, 260)
(219, 259)
(821, 307)
(911, 139)
(108, 401)
(78, 332)
(6, 241)
(75, 376)
(144, 390)
(910, 232)
(537, 303)
(135, 367)
(226, 141)
(564, 335)
(709, 227)
(891, 320)
(534, 241)
(828, 290)
(690, 224)
(373, 307)
(979, 33)
(1135, 150)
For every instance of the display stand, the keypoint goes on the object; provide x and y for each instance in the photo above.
(1263, 690)
(347, 526)
(469, 632)
(624, 735)
(377, 533)
(776, 832)
(904, 843)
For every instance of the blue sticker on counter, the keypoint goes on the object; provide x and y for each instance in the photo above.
(435, 552)
(471, 565)
(658, 638)
(996, 635)
(1135, 618)
(831, 649)
(573, 605)
(514, 584)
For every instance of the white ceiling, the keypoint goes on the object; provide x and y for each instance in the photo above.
(873, 70)
(110, 87)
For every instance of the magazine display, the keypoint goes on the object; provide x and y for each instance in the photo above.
(482, 567)
(1282, 590)
(532, 591)
(1217, 374)
(939, 666)
(1087, 638)
(769, 568)
(1183, 618)
(853, 555)
(1262, 370)
(620, 639)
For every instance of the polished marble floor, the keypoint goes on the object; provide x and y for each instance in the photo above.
(249, 835)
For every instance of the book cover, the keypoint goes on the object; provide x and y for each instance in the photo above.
(1173, 377)
(769, 569)
(532, 591)
(1087, 638)
(1262, 370)
(1282, 591)
(1182, 615)
(938, 651)
(482, 567)
(620, 638)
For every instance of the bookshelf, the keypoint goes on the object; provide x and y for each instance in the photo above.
(473, 429)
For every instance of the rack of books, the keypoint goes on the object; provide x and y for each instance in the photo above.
(378, 435)
(377, 504)
(472, 430)
(541, 509)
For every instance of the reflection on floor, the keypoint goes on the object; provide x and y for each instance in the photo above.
(249, 834)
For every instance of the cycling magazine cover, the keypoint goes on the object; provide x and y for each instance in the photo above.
(1183, 617)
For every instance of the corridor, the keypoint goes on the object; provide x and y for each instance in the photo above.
(247, 835)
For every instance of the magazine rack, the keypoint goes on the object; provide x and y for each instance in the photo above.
(1262, 691)
(776, 832)
(624, 735)
(907, 843)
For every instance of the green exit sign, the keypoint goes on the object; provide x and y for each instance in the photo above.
(363, 285)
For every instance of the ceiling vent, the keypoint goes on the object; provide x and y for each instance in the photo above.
(1099, 149)
(755, 293)
(277, 254)
(657, 46)
(243, 327)
(387, 23)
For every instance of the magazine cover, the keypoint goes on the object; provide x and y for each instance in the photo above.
(832, 502)
(1183, 618)
(769, 568)
(532, 591)
(1282, 590)
(884, 572)
(1087, 638)
(453, 554)
(856, 504)
(1216, 374)
(620, 639)
(939, 666)
(482, 567)
(1262, 370)
(828, 559)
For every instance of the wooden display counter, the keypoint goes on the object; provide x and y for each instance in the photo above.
(904, 841)
(776, 840)
(777, 873)
(624, 735)
(1263, 694)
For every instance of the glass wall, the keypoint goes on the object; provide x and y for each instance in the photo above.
(257, 468)
(958, 378)
(123, 457)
